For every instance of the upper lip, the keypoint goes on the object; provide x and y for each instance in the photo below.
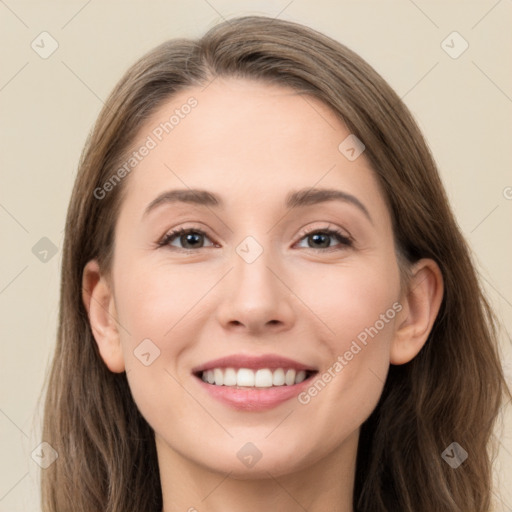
(271, 361)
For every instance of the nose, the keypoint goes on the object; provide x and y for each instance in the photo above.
(256, 297)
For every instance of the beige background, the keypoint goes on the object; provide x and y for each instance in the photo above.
(463, 105)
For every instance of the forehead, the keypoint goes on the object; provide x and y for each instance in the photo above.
(263, 119)
(247, 140)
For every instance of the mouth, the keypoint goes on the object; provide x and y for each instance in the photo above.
(253, 383)
(254, 378)
(248, 371)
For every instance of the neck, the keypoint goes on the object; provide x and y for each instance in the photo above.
(326, 484)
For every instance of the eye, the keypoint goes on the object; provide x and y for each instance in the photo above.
(191, 238)
(320, 239)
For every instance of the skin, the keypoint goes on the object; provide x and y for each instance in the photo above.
(251, 144)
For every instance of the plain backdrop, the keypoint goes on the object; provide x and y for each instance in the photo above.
(461, 97)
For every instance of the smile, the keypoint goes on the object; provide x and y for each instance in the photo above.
(254, 378)
(250, 382)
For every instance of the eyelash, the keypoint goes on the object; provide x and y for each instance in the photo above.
(345, 241)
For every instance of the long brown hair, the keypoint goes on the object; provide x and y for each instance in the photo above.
(450, 392)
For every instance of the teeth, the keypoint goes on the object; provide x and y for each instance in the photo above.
(245, 377)
(229, 377)
(218, 376)
(301, 375)
(278, 377)
(290, 377)
(263, 379)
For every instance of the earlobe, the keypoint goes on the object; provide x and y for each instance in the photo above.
(99, 302)
(421, 305)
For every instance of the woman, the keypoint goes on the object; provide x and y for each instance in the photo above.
(266, 302)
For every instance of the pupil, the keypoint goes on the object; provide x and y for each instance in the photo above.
(318, 237)
(189, 237)
(192, 238)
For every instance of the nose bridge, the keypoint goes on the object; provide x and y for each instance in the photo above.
(254, 295)
(253, 280)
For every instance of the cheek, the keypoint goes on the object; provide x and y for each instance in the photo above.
(152, 299)
(365, 317)
(352, 300)
(347, 311)
(155, 305)
(358, 307)
(344, 304)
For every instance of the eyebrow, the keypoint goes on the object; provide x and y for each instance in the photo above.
(296, 199)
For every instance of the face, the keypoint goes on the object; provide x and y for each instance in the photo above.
(276, 282)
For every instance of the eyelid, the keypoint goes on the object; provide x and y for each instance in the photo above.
(345, 239)
(330, 228)
(174, 232)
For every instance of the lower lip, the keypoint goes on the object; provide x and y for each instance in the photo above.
(255, 399)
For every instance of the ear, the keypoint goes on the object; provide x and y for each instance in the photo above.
(99, 303)
(421, 303)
